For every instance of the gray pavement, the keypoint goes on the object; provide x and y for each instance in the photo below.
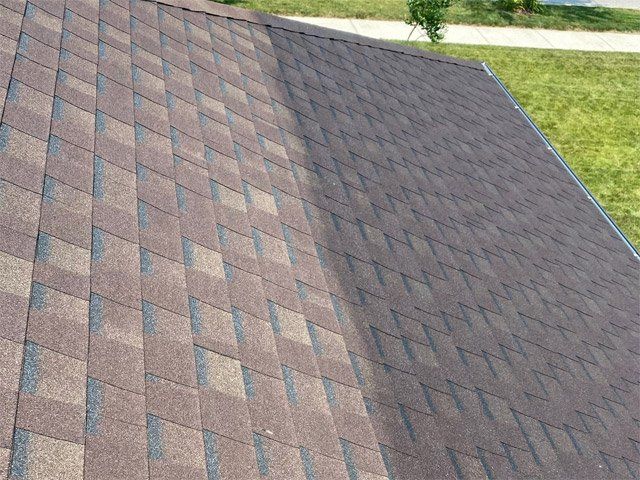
(633, 4)
(480, 35)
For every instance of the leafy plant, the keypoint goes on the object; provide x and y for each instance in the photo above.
(430, 15)
(520, 6)
(531, 6)
(508, 5)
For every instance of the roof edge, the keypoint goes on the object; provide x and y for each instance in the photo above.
(564, 163)
(260, 18)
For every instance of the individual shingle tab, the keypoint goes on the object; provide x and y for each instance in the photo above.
(15, 292)
(52, 394)
(159, 231)
(66, 212)
(295, 343)
(38, 51)
(214, 328)
(76, 91)
(59, 321)
(232, 246)
(268, 400)
(11, 26)
(23, 158)
(28, 110)
(168, 345)
(72, 123)
(19, 208)
(163, 282)
(62, 265)
(153, 150)
(11, 362)
(39, 456)
(70, 164)
(256, 344)
(115, 141)
(41, 24)
(116, 354)
(229, 458)
(222, 394)
(174, 450)
(193, 208)
(173, 401)
(115, 266)
(309, 400)
(105, 401)
(158, 190)
(275, 460)
(115, 439)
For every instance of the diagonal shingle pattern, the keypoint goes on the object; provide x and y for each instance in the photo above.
(233, 246)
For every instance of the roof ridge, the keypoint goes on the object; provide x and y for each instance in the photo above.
(211, 7)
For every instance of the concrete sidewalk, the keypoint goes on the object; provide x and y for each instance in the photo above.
(479, 35)
(632, 4)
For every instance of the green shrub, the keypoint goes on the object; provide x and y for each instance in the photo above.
(531, 6)
(508, 5)
(428, 14)
(522, 6)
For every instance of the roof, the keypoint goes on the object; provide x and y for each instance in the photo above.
(234, 246)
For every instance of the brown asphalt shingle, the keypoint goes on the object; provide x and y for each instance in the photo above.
(233, 246)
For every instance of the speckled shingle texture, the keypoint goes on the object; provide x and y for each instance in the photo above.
(235, 247)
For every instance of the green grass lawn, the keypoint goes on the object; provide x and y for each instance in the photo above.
(587, 104)
(471, 12)
(559, 17)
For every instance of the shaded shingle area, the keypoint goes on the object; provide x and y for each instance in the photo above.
(232, 246)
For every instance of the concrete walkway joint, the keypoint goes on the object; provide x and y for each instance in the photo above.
(480, 35)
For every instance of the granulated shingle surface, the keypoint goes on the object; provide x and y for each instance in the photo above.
(236, 247)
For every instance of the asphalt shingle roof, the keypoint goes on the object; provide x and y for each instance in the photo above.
(235, 247)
